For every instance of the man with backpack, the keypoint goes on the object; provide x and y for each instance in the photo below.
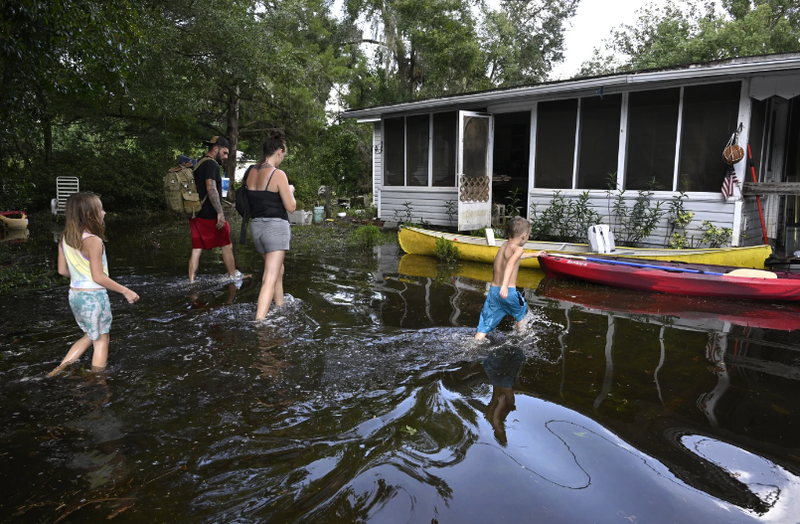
(209, 227)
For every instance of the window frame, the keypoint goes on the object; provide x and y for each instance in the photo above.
(405, 185)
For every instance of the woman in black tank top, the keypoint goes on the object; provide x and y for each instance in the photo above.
(271, 200)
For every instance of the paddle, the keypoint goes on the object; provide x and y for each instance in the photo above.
(745, 273)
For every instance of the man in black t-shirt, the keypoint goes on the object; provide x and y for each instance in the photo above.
(209, 228)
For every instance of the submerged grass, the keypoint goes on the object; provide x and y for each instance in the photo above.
(32, 265)
(334, 237)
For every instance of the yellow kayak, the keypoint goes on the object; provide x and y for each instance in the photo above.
(13, 219)
(422, 266)
(420, 241)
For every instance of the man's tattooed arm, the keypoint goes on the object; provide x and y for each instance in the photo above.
(213, 196)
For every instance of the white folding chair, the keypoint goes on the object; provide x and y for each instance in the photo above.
(65, 186)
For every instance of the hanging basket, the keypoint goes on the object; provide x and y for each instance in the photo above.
(732, 154)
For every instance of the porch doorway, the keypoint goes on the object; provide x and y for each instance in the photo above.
(775, 141)
(512, 142)
(791, 213)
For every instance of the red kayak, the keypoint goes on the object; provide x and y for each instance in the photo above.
(767, 315)
(675, 277)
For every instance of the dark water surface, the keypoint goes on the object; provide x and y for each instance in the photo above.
(365, 400)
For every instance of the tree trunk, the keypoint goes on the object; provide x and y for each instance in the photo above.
(48, 141)
(233, 138)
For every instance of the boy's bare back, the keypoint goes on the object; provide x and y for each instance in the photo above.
(510, 251)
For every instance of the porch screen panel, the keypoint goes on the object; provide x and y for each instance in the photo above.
(710, 115)
(555, 143)
(444, 149)
(652, 132)
(394, 151)
(476, 140)
(599, 140)
(417, 140)
(758, 119)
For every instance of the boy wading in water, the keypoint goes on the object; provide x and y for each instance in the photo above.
(503, 298)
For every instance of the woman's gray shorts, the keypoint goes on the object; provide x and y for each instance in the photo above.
(270, 234)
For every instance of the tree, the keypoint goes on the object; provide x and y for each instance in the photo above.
(439, 47)
(694, 32)
(524, 39)
(52, 55)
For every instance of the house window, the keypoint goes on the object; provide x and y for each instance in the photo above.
(444, 149)
(599, 140)
(408, 144)
(652, 132)
(555, 143)
(394, 151)
(710, 116)
(417, 141)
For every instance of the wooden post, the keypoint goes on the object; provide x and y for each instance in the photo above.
(328, 210)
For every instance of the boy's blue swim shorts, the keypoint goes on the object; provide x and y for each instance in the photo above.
(495, 308)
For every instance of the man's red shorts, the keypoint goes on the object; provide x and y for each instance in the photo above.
(205, 234)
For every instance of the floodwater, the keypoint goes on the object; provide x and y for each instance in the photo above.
(365, 400)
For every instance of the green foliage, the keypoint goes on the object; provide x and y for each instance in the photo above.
(17, 278)
(522, 40)
(343, 160)
(367, 237)
(636, 223)
(145, 84)
(697, 32)
(513, 206)
(406, 215)
(680, 218)
(563, 219)
(436, 47)
(715, 236)
(446, 251)
(451, 209)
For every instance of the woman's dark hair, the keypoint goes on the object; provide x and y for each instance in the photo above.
(276, 139)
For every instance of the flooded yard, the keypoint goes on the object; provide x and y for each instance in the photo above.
(364, 399)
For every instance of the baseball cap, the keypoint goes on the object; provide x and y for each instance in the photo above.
(220, 141)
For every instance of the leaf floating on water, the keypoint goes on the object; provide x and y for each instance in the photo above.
(782, 411)
(408, 430)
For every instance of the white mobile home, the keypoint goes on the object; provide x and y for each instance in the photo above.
(447, 160)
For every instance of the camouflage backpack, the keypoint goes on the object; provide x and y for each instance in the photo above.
(180, 190)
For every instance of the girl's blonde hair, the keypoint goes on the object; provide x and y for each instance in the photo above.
(83, 212)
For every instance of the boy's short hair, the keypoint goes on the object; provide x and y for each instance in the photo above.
(517, 226)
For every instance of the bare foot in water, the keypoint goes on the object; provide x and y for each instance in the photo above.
(61, 367)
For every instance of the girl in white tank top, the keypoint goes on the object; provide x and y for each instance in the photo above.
(82, 258)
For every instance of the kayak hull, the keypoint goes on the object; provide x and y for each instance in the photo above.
(673, 277)
(420, 241)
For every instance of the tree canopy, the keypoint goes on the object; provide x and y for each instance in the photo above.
(113, 92)
(692, 31)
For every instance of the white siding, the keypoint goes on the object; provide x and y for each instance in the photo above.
(377, 158)
(425, 204)
(705, 206)
(752, 233)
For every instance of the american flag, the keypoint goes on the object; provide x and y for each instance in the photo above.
(728, 185)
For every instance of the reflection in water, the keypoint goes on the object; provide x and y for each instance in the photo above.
(502, 368)
(775, 489)
(715, 353)
(364, 400)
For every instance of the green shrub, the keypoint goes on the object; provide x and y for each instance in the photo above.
(367, 237)
(446, 251)
(565, 220)
(715, 236)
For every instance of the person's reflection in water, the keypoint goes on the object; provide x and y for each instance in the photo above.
(196, 301)
(502, 368)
